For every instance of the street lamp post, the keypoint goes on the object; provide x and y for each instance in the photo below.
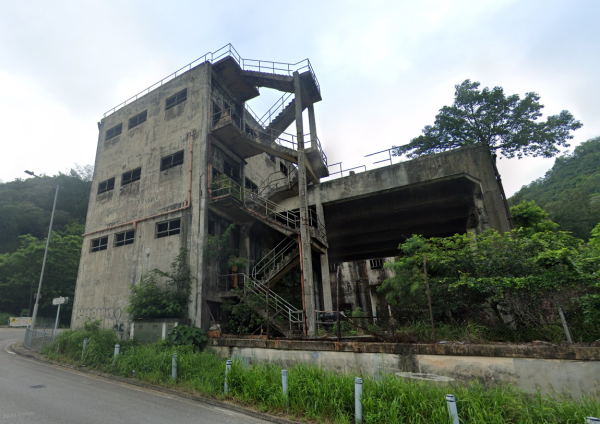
(37, 298)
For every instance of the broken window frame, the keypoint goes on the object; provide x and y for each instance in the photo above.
(99, 244)
(168, 228)
(333, 266)
(106, 185)
(171, 161)
(376, 263)
(138, 119)
(113, 132)
(283, 168)
(231, 170)
(124, 238)
(249, 184)
(131, 176)
(176, 99)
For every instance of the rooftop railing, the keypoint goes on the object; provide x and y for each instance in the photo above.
(246, 64)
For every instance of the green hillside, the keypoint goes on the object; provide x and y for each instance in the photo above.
(570, 191)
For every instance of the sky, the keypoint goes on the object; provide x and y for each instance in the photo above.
(385, 67)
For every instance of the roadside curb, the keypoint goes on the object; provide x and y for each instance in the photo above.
(19, 349)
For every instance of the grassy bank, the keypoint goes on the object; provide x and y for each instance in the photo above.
(316, 394)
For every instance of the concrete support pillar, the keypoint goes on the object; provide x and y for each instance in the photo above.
(307, 271)
(312, 125)
(326, 283)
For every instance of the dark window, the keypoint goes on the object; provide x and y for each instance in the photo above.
(168, 228)
(271, 157)
(107, 185)
(376, 263)
(250, 185)
(127, 237)
(231, 170)
(113, 132)
(131, 176)
(175, 99)
(138, 119)
(99, 244)
(171, 161)
(283, 168)
(333, 266)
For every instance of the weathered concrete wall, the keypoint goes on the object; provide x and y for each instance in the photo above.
(514, 367)
(104, 277)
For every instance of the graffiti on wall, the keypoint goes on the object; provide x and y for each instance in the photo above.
(114, 318)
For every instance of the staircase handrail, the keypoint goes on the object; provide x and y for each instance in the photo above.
(246, 64)
(254, 115)
(269, 181)
(271, 258)
(279, 104)
(261, 289)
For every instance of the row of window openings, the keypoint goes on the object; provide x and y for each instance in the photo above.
(163, 229)
(140, 118)
(373, 263)
(129, 177)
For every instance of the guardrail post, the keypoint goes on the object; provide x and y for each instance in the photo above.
(85, 342)
(284, 383)
(227, 371)
(117, 349)
(357, 400)
(452, 411)
(592, 420)
(174, 367)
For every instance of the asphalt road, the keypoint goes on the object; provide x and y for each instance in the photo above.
(31, 392)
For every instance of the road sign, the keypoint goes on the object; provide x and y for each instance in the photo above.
(60, 301)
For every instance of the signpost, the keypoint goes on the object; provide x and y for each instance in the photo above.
(58, 301)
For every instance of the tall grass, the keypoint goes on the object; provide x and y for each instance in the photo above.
(320, 395)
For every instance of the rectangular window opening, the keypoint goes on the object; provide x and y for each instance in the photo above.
(100, 244)
(333, 266)
(171, 161)
(176, 99)
(138, 119)
(168, 228)
(131, 176)
(231, 170)
(113, 132)
(126, 237)
(107, 185)
(271, 157)
(376, 263)
(250, 185)
(283, 169)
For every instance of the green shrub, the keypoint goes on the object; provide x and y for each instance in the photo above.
(4, 318)
(184, 335)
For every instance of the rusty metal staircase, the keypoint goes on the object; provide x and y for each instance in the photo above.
(277, 263)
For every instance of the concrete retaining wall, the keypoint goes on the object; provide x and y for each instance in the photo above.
(510, 366)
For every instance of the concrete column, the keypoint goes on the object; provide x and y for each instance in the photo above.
(312, 124)
(326, 283)
(307, 271)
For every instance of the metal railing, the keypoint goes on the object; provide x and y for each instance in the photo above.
(35, 339)
(225, 186)
(272, 182)
(275, 303)
(279, 106)
(272, 260)
(246, 64)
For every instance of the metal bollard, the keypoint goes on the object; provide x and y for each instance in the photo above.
(227, 370)
(85, 342)
(592, 420)
(174, 367)
(452, 411)
(357, 398)
(117, 348)
(284, 382)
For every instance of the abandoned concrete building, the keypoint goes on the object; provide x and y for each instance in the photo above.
(186, 158)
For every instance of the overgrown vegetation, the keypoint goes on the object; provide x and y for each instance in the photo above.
(316, 394)
(508, 286)
(184, 335)
(570, 191)
(162, 294)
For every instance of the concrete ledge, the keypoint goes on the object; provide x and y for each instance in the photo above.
(577, 353)
(20, 349)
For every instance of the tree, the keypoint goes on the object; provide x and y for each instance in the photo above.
(532, 218)
(507, 125)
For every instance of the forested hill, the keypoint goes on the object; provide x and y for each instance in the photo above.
(570, 191)
(26, 205)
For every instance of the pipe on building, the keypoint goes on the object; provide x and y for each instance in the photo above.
(186, 203)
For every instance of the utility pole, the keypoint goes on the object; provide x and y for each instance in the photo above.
(37, 298)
